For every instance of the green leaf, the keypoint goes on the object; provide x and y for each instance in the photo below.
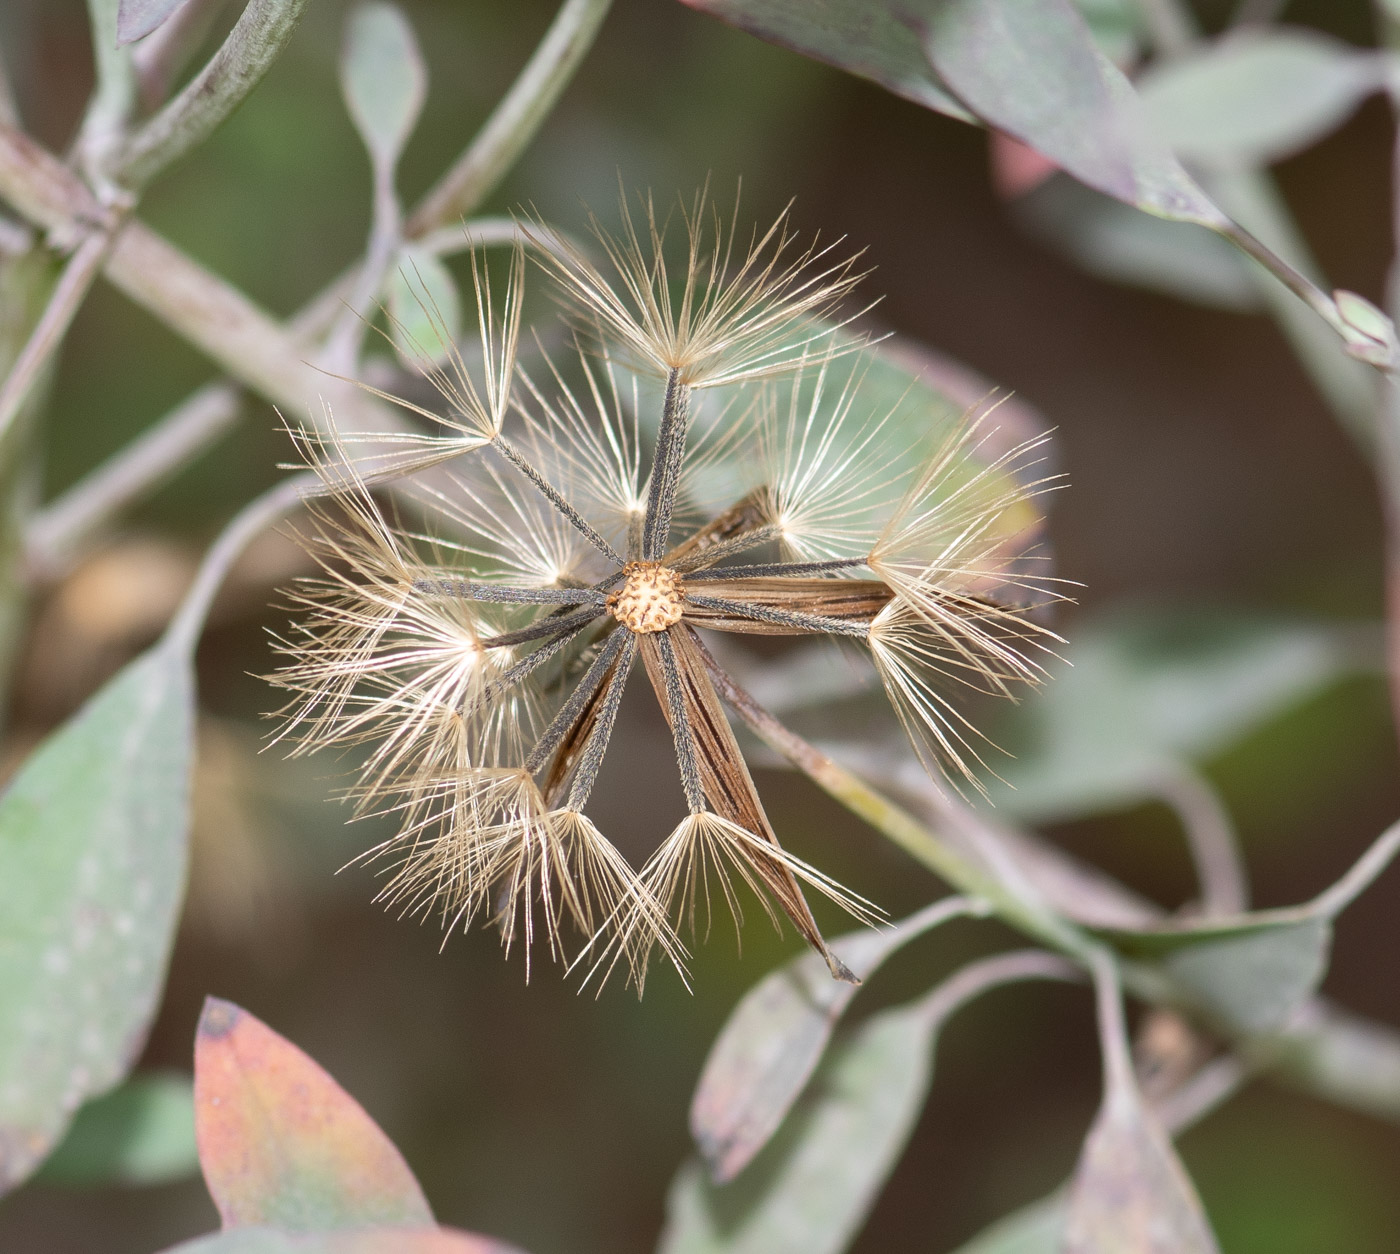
(1257, 96)
(766, 1052)
(425, 312)
(92, 870)
(282, 1144)
(1032, 69)
(1035, 1229)
(1256, 979)
(1255, 970)
(138, 18)
(383, 79)
(869, 38)
(1141, 688)
(1124, 245)
(365, 1241)
(140, 1133)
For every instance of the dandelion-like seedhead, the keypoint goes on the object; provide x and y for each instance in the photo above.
(478, 655)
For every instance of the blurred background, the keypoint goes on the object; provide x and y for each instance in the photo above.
(1206, 477)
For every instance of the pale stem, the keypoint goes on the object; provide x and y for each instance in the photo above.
(77, 277)
(26, 282)
(1347, 386)
(112, 99)
(247, 524)
(513, 124)
(1210, 835)
(9, 106)
(342, 351)
(59, 532)
(161, 55)
(1118, 1077)
(980, 977)
(1389, 416)
(253, 44)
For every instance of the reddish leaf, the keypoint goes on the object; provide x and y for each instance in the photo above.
(282, 1144)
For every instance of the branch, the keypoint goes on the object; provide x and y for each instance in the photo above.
(58, 533)
(53, 324)
(161, 55)
(253, 44)
(516, 119)
(1210, 835)
(210, 313)
(9, 107)
(258, 514)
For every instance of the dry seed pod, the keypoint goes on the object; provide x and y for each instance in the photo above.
(483, 661)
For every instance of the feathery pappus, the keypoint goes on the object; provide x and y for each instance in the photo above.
(561, 538)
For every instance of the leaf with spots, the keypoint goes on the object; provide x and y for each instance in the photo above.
(92, 871)
(282, 1144)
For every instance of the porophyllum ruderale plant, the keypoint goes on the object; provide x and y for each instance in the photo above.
(483, 658)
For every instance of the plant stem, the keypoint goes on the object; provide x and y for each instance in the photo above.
(9, 106)
(1210, 836)
(1347, 385)
(1388, 440)
(253, 518)
(515, 120)
(112, 99)
(64, 302)
(161, 55)
(254, 43)
(58, 533)
(25, 284)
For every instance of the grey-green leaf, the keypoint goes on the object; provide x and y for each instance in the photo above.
(138, 18)
(1130, 1194)
(810, 1189)
(92, 870)
(1032, 69)
(1141, 687)
(870, 38)
(383, 78)
(1256, 979)
(425, 311)
(1035, 1229)
(766, 1052)
(1257, 96)
(1255, 970)
(140, 1133)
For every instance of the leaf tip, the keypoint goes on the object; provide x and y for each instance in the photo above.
(217, 1019)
